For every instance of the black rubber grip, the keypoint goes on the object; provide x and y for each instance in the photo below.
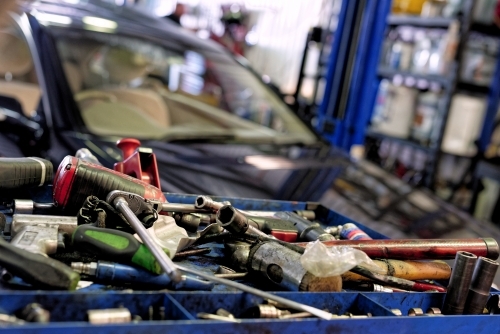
(24, 172)
(40, 271)
(106, 243)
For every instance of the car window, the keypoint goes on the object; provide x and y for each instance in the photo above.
(130, 86)
(17, 72)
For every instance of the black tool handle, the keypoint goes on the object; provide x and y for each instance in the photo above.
(40, 271)
(24, 172)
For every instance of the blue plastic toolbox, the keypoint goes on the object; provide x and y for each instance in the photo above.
(179, 309)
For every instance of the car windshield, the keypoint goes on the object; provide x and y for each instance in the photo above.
(126, 86)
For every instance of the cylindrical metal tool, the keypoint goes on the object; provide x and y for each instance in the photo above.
(410, 270)
(165, 262)
(205, 202)
(351, 232)
(420, 249)
(282, 266)
(178, 207)
(27, 206)
(232, 220)
(458, 287)
(479, 290)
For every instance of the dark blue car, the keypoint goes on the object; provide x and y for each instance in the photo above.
(83, 76)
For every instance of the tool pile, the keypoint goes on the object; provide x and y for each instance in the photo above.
(119, 232)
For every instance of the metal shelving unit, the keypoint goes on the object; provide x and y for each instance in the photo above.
(450, 83)
(354, 75)
(417, 21)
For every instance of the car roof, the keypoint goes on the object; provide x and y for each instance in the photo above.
(129, 21)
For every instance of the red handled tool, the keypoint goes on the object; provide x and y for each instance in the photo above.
(138, 162)
(76, 179)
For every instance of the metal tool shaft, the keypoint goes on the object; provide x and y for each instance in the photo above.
(289, 303)
(183, 208)
(165, 262)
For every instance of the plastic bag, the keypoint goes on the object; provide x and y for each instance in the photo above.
(325, 262)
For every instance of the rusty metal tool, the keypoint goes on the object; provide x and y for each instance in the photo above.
(420, 249)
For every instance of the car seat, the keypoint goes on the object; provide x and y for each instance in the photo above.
(17, 72)
(121, 67)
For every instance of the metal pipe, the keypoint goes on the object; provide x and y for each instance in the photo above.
(458, 287)
(165, 262)
(419, 249)
(479, 291)
(179, 207)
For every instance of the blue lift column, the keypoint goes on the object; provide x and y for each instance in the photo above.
(352, 81)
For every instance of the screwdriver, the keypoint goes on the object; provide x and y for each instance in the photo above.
(40, 271)
(116, 246)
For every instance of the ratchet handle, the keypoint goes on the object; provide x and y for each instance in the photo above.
(24, 172)
(40, 271)
(114, 245)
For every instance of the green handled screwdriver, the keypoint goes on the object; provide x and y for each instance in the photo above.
(40, 271)
(115, 245)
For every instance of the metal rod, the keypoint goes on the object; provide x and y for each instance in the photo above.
(185, 208)
(231, 276)
(165, 262)
(289, 303)
(419, 249)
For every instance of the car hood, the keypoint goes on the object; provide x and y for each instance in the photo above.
(286, 172)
